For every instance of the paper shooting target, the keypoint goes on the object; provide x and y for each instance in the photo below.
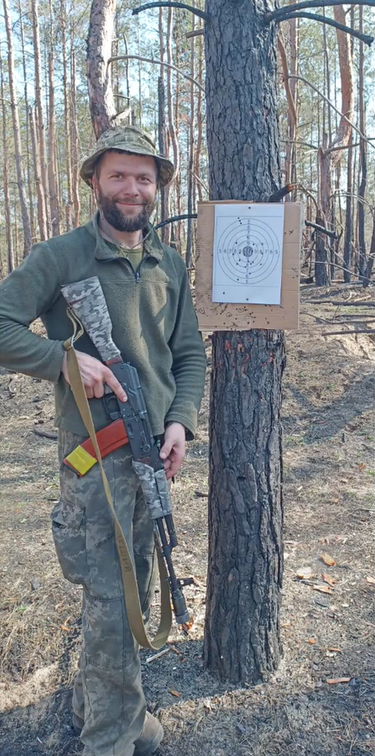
(248, 251)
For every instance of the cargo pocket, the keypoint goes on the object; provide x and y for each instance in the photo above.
(69, 535)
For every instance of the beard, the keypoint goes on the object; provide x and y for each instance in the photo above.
(118, 220)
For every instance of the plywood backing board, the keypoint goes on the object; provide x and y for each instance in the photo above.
(214, 316)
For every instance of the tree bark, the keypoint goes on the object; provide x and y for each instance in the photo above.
(67, 112)
(99, 50)
(242, 630)
(16, 133)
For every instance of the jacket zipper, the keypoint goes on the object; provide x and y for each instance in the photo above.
(136, 272)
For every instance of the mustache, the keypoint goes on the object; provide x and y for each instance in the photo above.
(130, 202)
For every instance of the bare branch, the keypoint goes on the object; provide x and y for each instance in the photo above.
(363, 201)
(303, 189)
(176, 218)
(195, 33)
(159, 63)
(331, 22)
(284, 64)
(346, 333)
(278, 15)
(306, 81)
(165, 4)
(322, 230)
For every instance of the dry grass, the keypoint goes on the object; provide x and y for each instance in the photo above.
(329, 485)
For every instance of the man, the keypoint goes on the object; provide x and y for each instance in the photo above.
(154, 325)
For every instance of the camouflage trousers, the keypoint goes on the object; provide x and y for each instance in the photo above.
(108, 693)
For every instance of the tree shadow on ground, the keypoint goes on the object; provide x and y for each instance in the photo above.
(212, 718)
(355, 402)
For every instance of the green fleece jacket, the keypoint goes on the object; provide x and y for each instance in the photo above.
(153, 318)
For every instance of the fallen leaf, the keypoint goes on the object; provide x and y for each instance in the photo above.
(327, 559)
(370, 579)
(335, 650)
(362, 466)
(328, 579)
(66, 629)
(344, 480)
(174, 693)
(311, 641)
(305, 573)
(337, 680)
(322, 589)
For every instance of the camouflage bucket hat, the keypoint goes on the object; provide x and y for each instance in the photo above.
(127, 139)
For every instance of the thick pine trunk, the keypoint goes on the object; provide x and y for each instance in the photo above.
(99, 50)
(242, 639)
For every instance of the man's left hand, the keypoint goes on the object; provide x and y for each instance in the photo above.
(173, 450)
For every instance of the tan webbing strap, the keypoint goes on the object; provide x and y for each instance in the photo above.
(131, 592)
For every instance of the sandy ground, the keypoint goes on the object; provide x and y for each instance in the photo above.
(327, 633)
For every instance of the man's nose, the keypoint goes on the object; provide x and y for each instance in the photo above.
(129, 186)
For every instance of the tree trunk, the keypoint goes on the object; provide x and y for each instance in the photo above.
(348, 215)
(8, 223)
(162, 131)
(74, 141)
(198, 150)
(371, 258)
(16, 133)
(67, 113)
(28, 149)
(52, 161)
(190, 181)
(39, 121)
(99, 50)
(330, 153)
(362, 262)
(42, 221)
(242, 631)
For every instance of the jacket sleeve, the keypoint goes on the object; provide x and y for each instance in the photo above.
(25, 294)
(189, 363)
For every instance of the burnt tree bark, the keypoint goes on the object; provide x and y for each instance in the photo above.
(242, 631)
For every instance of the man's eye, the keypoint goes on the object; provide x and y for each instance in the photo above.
(145, 179)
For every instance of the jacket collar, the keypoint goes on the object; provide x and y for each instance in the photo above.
(152, 244)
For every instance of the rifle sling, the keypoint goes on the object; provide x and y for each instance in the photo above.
(131, 593)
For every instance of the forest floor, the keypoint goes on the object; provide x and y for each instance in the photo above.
(321, 699)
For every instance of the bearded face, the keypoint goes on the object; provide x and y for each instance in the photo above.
(125, 187)
(119, 215)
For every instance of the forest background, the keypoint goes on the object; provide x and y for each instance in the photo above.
(46, 130)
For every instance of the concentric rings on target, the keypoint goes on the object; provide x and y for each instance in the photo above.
(248, 251)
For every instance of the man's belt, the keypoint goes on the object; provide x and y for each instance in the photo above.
(83, 457)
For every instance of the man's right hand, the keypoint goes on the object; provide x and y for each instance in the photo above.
(94, 375)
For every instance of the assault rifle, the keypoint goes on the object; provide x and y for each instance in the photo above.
(87, 305)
